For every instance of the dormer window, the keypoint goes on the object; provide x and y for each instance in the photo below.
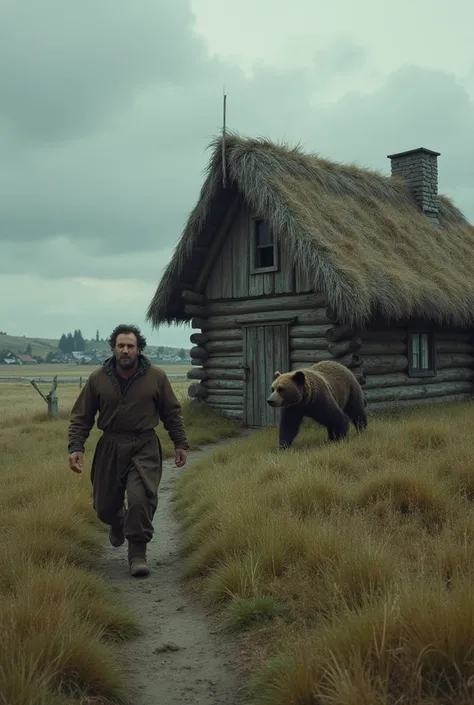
(264, 250)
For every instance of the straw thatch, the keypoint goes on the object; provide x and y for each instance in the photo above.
(359, 234)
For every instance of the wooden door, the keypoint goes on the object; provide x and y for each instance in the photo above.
(266, 349)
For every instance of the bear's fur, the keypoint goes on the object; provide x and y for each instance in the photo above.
(327, 392)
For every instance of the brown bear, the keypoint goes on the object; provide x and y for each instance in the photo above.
(327, 392)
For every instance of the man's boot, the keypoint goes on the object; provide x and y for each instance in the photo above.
(137, 559)
(116, 536)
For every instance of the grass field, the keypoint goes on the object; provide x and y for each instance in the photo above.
(58, 620)
(348, 571)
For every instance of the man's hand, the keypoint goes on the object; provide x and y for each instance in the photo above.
(180, 456)
(76, 461)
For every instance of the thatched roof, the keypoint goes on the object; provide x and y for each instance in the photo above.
(360, 235)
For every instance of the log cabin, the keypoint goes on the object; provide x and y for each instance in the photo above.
(288, 258)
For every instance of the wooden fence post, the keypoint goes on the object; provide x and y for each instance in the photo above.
(51, 398)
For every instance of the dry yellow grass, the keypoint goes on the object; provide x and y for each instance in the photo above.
(349, 566)
(58, 620)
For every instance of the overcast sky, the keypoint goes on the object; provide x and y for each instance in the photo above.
(107, 107)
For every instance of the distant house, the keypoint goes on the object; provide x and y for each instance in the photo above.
(81, 357)
(26, 359)
(12, 358)
(298, 259)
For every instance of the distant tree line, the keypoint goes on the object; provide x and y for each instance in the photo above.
(72, 342)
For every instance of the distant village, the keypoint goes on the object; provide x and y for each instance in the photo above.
(91, 357)
(93, 352)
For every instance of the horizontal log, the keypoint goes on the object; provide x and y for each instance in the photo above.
(224, 346)
(225, 334)
(230, 362)
(309, 357)
(234, 400)
(454, 360)
(309, 331)
(198, 338)
(461, 336)
(342, 347)
(399, 379)
(235, 393)
(400, 332)
(294, 302)
(222, 373)
(380, 406)
(222, 403)
(197, 391)
(312, 316)
(198, 353)
(419, 391)
(192, 297)
(340, 333)
(383, 347)
(382, 364)
(385, 364)
(383, 334)
(453, 346)
(213, 384)
(196, 373)
(351, 360)
(308, 343)
(194, 310)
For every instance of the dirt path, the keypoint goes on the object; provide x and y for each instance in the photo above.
(178, 659)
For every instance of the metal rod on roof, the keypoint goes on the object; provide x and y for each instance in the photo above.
(224, 169)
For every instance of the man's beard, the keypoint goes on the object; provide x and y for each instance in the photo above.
(126, 362)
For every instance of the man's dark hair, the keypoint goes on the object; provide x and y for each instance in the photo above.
(124, 328)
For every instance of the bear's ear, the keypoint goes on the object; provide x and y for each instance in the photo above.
(276, 375)
(299, 378)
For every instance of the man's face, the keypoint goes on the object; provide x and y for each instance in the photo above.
(126, 350)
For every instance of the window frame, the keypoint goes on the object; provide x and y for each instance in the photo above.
(255, 247)
(414, 371)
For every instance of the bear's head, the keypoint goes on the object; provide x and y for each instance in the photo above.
(287, 389)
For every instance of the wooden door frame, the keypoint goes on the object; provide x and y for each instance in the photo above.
(268, 321)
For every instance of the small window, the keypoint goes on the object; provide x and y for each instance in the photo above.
(421, 354)
(265, 249)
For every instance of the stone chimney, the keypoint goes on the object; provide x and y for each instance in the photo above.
(420, 168)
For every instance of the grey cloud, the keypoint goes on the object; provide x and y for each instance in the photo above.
(415, 107)
(67, 66)
(117, 167)
(61, 257)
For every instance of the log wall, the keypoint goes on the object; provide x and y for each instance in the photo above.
(385, 360)
(217, 355)
(377, 356)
